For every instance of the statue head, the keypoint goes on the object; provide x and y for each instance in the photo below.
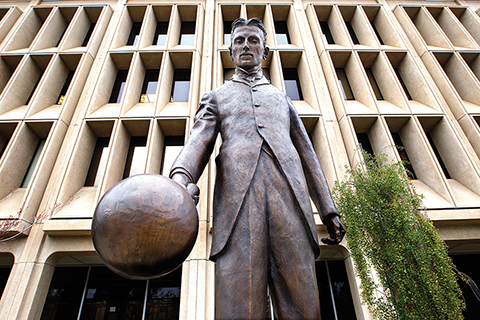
(248, 43)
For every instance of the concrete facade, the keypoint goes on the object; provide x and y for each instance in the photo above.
(390, 70)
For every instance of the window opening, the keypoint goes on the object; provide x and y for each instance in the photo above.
(281, 32)
(61, 37)
(112, 296)
(404, 87)
(119, 86)
(4, 147)
(377, 33)
(150, 84)
(470, 265)
(63, 93)
(437, 154)
(134, 34)
(353, 35)
(88, 35)
(171, 148)
(136, 158)
(327, 34)
(364, 143)
(334, 290)
(187, 33)
(160, 38)
(7, 138)
(345, 88)
(163, 298)
(227, 31)
(33, 90)
(403, 155)
(181, 85)
(65, 293)
(98, 163)
(373, 82)
(33, 163)
(97, 293)
(292, 84)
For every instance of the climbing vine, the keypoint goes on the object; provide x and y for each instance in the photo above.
(403, 264)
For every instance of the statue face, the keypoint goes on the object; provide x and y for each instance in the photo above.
(247, 47)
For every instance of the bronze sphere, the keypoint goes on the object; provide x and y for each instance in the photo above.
(145, 226)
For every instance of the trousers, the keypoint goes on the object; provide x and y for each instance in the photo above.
(268, 247)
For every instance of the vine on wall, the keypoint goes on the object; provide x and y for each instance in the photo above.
(388, 233)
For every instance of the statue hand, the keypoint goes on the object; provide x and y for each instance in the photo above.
(335, 229)
(192, 188)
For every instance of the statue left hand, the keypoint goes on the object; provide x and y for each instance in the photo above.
(335, 229)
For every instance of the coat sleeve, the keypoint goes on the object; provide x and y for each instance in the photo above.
(317, 185)
(195, 155)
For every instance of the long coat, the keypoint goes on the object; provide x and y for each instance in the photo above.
(247, 115)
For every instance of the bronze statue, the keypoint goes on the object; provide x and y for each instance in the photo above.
(264, 232)
(144, 227)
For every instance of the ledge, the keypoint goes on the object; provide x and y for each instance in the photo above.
(68, 227)
(454, 215)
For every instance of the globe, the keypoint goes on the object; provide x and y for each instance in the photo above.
(145, 226)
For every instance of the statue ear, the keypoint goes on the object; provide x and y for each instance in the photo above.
(265, 52)
(230, 49)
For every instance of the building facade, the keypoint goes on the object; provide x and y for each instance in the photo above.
(95, 91)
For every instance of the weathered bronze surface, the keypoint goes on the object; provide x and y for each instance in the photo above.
(145, 226)
(264, 233)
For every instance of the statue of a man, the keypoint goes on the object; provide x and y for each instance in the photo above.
(264, 233)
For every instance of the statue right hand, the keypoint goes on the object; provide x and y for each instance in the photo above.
(192, 188)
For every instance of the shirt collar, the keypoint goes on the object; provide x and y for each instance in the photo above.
(251, 78)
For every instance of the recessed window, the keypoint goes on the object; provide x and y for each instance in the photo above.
(98, 163)
(110, 294)
(134, 34)
(63, 93)
(33, 90)
(5, 139)
(334, 290)
(404, 87)
(181, 85)
(364, 143)
(377, 33)
(119, 86)
(61, 37)
(137, 157)
(33, 163)
(171, 148)
(4, 275)
(281, 32)
(88, 35)
(327, 34)
(437, 154)
(87, 293)
(187, 33)
(374, 84)
(150, 84)
(352, 33)
(470, 265)
(292, 84)
(160, 38)
(345, 88)
(227, 31)
(65, 293)
(403, 155)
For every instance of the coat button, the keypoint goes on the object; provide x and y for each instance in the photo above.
(260, 125)
(257, 105)
(254, 89)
